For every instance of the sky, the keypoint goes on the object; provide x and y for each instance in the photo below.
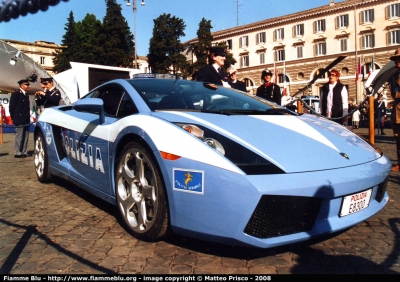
(224, 14)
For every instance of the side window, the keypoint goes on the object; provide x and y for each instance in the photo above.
(111, 96)
(117, 102)
(127, 107)
(298, 30)
(243, 41)
(319, 26)
(367, 16)
(92, 94)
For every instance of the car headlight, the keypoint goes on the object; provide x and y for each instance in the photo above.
(199, 133)
(248, 161)
(193, 130)
(215, 144)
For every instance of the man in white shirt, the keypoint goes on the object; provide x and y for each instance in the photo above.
(234, 82)
(214, 72)
(334, 98)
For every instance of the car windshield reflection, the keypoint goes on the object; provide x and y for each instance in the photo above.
(167, 94)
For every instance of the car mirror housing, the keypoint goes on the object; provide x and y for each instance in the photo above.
(91, 105)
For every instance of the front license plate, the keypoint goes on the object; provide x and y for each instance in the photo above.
(355, 203)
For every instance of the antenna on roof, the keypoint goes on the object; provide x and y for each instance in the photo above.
(237, 11)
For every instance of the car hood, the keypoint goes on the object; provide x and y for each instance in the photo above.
(293, 143)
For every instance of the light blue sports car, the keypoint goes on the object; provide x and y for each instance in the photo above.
(197, 159)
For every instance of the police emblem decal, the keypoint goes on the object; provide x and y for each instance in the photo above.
(191, 181)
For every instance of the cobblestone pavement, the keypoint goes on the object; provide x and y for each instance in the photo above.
(59, 229)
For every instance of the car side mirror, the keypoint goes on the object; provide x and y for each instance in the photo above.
(91, 105)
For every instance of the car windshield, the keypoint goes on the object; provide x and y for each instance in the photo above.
(169, 94)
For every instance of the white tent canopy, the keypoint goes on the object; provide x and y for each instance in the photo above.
(81, 78)
(73, 83)
(15, 66)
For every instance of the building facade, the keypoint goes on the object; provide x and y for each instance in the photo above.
(299, 45)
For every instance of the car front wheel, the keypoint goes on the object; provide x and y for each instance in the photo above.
(140, 193)
(41, 159)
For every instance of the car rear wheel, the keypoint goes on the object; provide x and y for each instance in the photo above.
(41, 159)
(140, 193)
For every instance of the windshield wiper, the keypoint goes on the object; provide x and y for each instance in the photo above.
(277, 111)
(233, 112)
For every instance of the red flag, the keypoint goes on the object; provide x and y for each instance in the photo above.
(362, 73)
(358, 69)
(371, 69)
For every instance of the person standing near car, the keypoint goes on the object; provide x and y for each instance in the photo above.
(394, 85)
(20, 114)
(380, 113)
(234, 82)
(269, 90)
(356, 118)
(286, 99)
(50, 97)
(334, 98)
(213, 72)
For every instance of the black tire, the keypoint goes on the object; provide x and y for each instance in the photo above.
(41, 159)
(140, 193)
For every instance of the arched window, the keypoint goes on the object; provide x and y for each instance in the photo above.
(318, 71)
(249, 82)
(282, 77)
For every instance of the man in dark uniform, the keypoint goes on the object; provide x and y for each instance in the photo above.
(380, 113)
(394, 84)
(234, 82)
(50, 97)
(269, 90)
(213, 72)
(20, 114)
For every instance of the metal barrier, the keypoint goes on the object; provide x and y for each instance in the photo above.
(301, 103)
(9, 126)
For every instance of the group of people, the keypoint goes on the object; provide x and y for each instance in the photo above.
(214, 73)
(20, 110)
(333, 97)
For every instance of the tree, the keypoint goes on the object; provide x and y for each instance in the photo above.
(70, 40)
(88, 30)
(200, 48)
(165, 51)
(230, 60)
(91, 41)
(115, 45)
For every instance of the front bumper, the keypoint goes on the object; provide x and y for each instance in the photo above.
(272, 210)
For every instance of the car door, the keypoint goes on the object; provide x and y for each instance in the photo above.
(89, 147)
